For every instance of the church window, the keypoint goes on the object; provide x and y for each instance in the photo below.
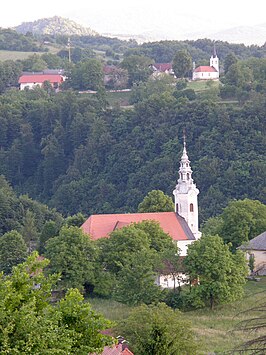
(187, 176)
(177, 207)
(191, 207)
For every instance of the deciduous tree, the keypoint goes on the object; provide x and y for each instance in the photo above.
(13, 251)
(72, 254)
(220, 274)
(29, 324)
(182, 63)
(158, 330)
(156, 201)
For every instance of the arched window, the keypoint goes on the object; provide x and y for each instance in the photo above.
(191, 207)
(187, 176)
(176, 207)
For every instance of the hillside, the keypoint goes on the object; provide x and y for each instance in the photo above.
(55, 26)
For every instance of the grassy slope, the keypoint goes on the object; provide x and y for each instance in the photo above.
(213, 329)
(14, 55)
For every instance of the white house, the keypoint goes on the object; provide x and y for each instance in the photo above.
(31, 80)
(208, 72)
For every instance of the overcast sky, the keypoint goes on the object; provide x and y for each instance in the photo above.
(137, 16)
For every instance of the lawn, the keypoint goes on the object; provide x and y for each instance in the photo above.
(202, 85)
(14, 55)
(213, 329)
(118, 98)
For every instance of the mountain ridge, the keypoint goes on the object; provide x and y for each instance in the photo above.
(55, 25)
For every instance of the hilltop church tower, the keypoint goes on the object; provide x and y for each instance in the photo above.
(186, 195)
(214, 60)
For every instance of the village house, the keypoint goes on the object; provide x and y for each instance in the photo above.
(30, 80)
(181, 225)
(207, 72)
(256, 249)
(161, 68)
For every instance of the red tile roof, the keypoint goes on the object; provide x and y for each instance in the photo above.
(99, 226)
(116, 350)
(205, 69)
(40, 78)
(163, 67)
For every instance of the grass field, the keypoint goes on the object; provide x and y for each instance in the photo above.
(14, 55)
(203, 85)
(120, 98)
(213, 329)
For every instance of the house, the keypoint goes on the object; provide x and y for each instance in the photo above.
(208, 72)
(162, 68)
(116, 350)
(119, 349)
(30, 80)
(181, 225)
(256, 248)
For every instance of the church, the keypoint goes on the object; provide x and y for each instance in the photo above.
(208, 72)
(182, 225)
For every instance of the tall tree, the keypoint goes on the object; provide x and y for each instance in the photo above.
(72, 254)
(182, 63)
(220, 274)
(156, 201)
(13, 251)
(242, 221)
(138, 68)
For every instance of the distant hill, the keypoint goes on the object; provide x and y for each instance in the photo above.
(243, 34)
(55, 26)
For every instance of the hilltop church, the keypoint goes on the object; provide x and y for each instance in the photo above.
(182, 225)
(208, 72)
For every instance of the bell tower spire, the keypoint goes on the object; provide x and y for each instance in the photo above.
(186, 192)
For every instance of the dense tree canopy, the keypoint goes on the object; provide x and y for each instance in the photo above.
(30, 324)
(130, 259)
(72, 254)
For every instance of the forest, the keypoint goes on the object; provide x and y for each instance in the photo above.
(76, 154)
(67, 154)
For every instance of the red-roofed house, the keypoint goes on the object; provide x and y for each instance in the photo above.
(116, 350)
(162, 68)
(32, 80)
(208, 72)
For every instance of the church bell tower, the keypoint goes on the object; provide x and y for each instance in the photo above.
(186, 195)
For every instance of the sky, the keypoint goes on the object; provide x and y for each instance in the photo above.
(138, 16)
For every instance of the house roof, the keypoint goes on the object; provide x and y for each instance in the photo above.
(116, 350)
(99, 226)
(257, 243)
(40, 78)
(205, 69)
(163, 67)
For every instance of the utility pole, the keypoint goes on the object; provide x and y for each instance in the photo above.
(69, 49)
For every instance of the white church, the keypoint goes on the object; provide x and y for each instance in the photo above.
(182, 225)
(208, 72)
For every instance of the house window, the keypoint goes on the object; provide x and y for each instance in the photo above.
(191, 207)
